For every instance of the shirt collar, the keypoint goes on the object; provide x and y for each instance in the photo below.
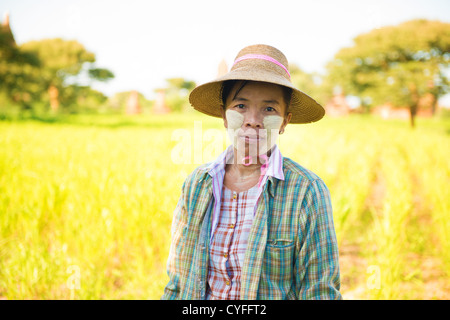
(274, 168)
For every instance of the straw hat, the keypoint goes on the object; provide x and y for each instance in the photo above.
(257, 63)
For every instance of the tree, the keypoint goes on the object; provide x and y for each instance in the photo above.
(15, 65)
(177, 93)
(312, 84)
(396, 64)
(61, 62)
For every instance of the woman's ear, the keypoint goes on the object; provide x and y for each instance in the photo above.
(286, 120)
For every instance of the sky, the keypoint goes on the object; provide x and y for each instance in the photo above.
(146, 42)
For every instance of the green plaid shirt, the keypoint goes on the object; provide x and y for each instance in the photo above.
(292, 250)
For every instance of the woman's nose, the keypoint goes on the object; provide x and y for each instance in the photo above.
(253, 119)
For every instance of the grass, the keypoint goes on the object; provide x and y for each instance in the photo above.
(86, 202)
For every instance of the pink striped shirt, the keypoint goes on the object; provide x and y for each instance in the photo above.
(228, 245)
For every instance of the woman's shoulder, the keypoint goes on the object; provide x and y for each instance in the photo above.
(293, 169)
(296, 174)
(197, 174)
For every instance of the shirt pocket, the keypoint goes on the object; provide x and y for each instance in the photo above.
(278, 264)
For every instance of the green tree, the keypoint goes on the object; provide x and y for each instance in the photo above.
(78, 98)
(61, 62)
(15, 78)
(177, 93)
(313, 84)
(396, 64)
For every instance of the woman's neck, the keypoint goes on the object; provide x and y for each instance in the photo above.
(247, 167)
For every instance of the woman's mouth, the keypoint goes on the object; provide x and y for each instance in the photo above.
(251, 139)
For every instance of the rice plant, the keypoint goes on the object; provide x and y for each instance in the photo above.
(86, 204)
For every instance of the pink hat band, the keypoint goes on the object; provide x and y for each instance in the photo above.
(262, 57)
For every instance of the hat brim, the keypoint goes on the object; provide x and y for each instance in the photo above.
(207, 98)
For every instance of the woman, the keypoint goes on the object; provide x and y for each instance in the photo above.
(254, 224)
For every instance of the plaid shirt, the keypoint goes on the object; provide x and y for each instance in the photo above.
(291, 251)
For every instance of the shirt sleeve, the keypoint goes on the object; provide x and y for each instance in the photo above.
(317, 265)
(174, 262)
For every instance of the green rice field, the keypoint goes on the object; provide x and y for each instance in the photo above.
(86, 203)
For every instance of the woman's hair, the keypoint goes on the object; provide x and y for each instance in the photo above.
(228, 85)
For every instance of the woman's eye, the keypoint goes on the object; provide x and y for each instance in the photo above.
(270, 109)
(240, 106)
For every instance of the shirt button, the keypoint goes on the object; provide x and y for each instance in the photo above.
(234, 195)
(225, 255)
(227, 282)
(231, 226)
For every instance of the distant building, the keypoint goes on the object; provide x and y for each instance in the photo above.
(387, 111)
(133, 106)
(427, 108)
(337, 106)
(160, 106)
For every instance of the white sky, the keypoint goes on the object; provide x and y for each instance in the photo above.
(146, 42)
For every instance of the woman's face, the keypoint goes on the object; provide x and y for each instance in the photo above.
(255, 116)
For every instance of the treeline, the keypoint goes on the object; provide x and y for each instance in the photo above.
(397, 65)
(48, 75)
(402, 66)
